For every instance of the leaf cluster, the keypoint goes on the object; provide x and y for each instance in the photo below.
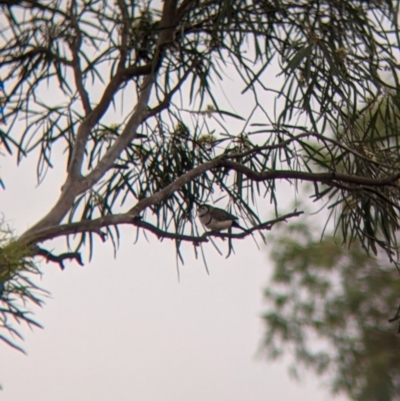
(17, 288)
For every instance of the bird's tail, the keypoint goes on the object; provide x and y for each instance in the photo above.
(237, 225)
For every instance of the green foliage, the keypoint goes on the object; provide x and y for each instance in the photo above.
(17, 288)
(329, 306)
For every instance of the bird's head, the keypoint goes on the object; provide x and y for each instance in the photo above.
(202, 210)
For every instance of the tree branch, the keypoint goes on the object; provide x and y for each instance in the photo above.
(161, 234)
(75, 46)
(75, 183)
(39, 50)
(183, 9)
(86, 126)
(220, 161)
(177, 184)
(34, 4)
(124, 34)
(50, 257)
(296, 138)
(331, 178)
(126, 218)
(141, 111)
(167, 99)
(305, 176)
(139, 114)
(349, 188)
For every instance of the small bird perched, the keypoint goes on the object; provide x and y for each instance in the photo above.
(216, 219)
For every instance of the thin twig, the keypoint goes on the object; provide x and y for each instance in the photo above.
(124, 34)
(306, 176)
(204, 238)
(50, 257)
(75, 45)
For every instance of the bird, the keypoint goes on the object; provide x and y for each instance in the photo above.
(216, 219)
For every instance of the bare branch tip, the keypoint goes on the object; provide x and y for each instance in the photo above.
(50, 257)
